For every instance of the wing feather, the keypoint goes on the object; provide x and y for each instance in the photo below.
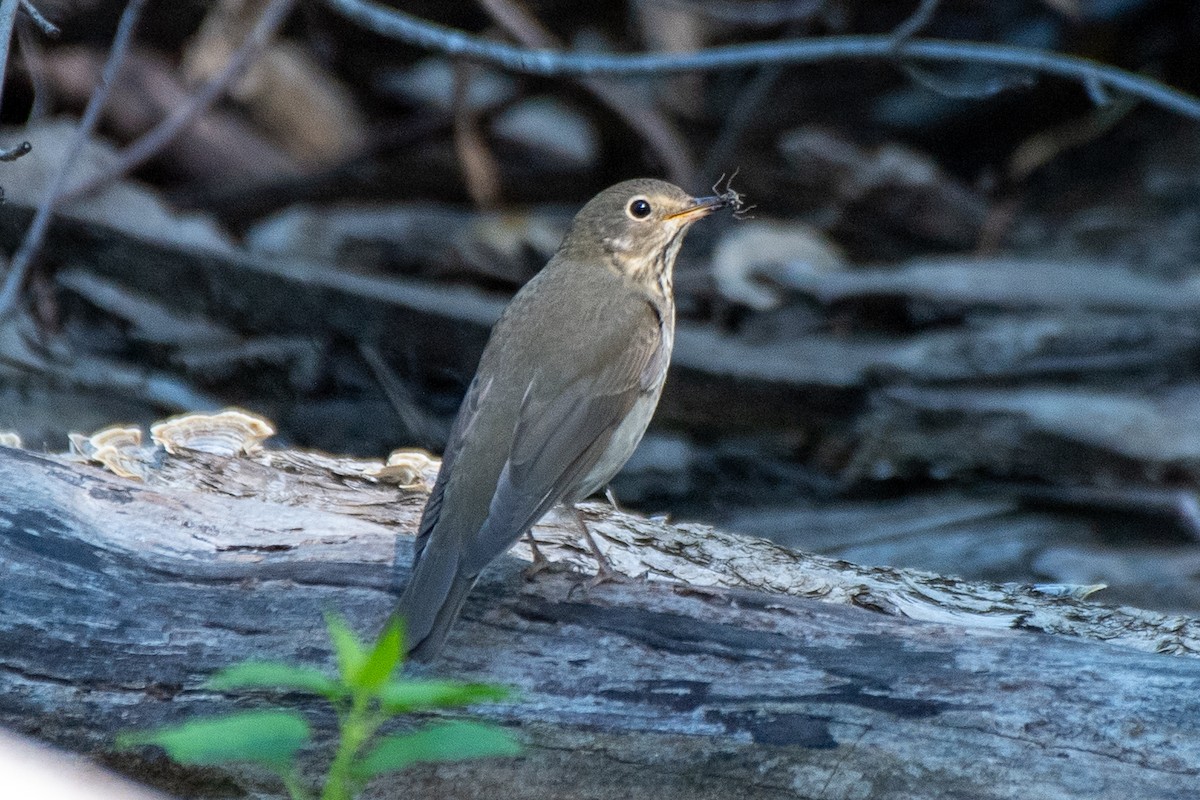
(464, 424)
(559, 437)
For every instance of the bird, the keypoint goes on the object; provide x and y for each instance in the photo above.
(563, 393)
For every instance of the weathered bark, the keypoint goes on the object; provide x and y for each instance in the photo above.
(120, 597)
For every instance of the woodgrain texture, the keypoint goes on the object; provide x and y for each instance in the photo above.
(119, 598)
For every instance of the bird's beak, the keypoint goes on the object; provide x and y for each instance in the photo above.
(700, 207)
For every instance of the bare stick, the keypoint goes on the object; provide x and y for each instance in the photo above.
(741, 112)
(757, 13)
(639, 114)
(47, 27)
(916, 23)
(420, 425)
(8, 18)
(35, 65)
(15, 152)
(405, 27)
(153, 142)
(480, 171)
(36, 234)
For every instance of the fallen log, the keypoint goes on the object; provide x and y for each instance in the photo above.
(737, 668)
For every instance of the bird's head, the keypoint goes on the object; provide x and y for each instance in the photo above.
(637, 227)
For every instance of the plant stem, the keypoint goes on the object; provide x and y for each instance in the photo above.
(295, 789)
(355, 728)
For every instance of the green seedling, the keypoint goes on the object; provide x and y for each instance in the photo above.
(365, 694)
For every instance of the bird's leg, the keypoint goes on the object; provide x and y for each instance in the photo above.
(604, 568)
(540, 562)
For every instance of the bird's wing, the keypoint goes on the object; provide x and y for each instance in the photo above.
(558, 438)
(464, 424)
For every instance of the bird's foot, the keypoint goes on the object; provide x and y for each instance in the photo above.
(606, 574)
(604, 568)
(540, 562)
(535, 569)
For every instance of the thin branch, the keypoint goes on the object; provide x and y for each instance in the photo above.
(36, 234)
(47, 27)
(740, 115)
(15, 152)
(480, 171)
(1097, 92)
(915, 23)
(957, 89)
(671, 148)
(35, 65)
(420, 33)
(153, 142)
(8, 18)
(968, 88)
(758, 13)
(421, 426)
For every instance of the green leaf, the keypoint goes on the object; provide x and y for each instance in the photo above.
(275, 675)
(346, 646)
(450, 741)
(398, 697)
(383, 659)
(271, 738)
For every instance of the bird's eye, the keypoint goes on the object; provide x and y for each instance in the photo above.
(639, 208)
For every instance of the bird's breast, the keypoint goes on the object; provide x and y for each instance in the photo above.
(624, 441)
(628, 434)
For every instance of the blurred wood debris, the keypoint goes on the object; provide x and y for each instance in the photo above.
(293, 98)
(222, 146)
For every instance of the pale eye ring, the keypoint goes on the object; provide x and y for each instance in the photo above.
(639, 208)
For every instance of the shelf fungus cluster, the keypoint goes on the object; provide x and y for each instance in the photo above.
(117, 448)
(232, 433)
(406, 468)
(121, 450)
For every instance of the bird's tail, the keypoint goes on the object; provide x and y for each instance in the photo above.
(431, 602)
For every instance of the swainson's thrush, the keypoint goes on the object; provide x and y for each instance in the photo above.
(564, 391)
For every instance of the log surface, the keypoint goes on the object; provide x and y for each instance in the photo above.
(119, 598)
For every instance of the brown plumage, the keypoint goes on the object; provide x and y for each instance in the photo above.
(564, 391)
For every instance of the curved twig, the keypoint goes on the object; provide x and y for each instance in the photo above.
(421, 33)
(16, 151)
(34, 57)
(639, 114)
(916, 22)
(740, 114)
(36, 234)
(8, 18)
(165, 132)
(47, 27)
(756, 13)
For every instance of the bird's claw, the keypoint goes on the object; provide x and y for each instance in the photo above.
(605, 574)
(538, 566)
